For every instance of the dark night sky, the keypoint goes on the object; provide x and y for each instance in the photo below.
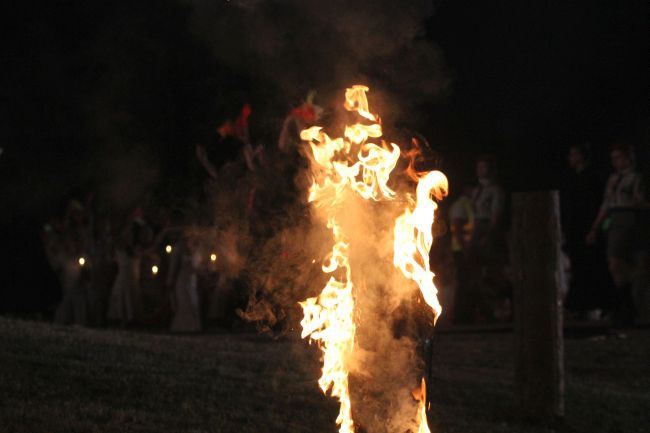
(92, 83)
(533, 77)
(109, 96)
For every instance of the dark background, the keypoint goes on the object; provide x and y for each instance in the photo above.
(109, 97)
(533, 77)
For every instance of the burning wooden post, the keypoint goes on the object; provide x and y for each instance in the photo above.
(539, 362)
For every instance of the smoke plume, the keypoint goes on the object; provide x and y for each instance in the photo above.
(390, 316)
(296, 45)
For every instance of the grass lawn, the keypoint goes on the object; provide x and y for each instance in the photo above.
(65, 379)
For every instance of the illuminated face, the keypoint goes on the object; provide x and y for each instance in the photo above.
(575, 158)
(620, 160)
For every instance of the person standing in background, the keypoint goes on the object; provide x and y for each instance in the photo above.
(487, 246)
(580, 200)
(66, 250)
(461, 217)
(102, 270)
(619, 215)
(126, 296)
(182, 281)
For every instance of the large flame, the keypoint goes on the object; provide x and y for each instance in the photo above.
(328, 319)
(413, 237)
(351, 163)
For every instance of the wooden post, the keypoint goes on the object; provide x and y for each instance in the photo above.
(536, 259)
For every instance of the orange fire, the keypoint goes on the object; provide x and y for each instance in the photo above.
(413, 237)
(328, 319)
(422, 409)
(351, 163)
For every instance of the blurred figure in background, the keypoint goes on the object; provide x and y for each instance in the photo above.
(126, 296)
(580, 201)
(66, 247)
(225, 156)
(461, 217)
(230, 163)
(220, 146)
(102, 270)
(619, 215)
(291, 162)
(489, 289)
(182, 280)
(156, 264)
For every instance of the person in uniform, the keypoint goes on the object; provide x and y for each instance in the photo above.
(461, 217)
(619, 215)
(487, 254)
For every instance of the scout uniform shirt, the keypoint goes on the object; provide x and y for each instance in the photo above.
(624, 191)
(487, 200)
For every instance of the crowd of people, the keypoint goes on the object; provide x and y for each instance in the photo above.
(158, 268)
(183, 270)
(605, 242)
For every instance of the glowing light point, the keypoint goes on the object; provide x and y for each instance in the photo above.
(154, 269)
(213, 257)
(168, 249)
(82, 261)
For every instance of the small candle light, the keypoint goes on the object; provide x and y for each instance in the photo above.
(154, 269)
(168, 249)
(213, 257)
(82, 261)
